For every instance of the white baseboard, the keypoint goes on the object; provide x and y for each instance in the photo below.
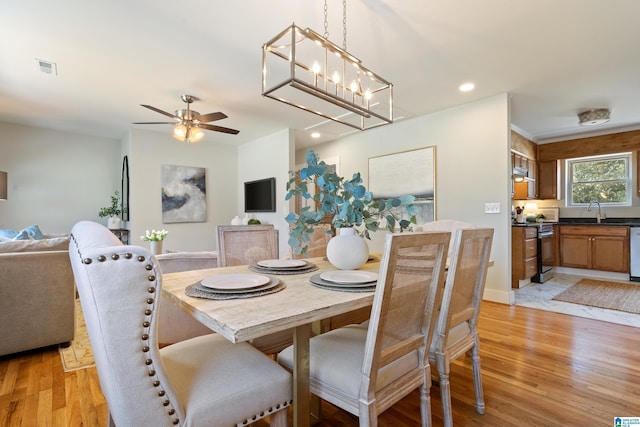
(592, 273)
(499, 296)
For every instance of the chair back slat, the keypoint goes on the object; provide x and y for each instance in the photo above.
(402, 318)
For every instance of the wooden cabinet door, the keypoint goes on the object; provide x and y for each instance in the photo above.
(575, 251)
(610, 253)
(532, 186)
(595, 247)
(548, 187)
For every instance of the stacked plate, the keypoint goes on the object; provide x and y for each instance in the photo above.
(346, 280)
(283, 266)
(227, 286)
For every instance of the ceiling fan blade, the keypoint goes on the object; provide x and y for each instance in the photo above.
(203, 118)
(157, 110)
(219, 129)
(154, 123)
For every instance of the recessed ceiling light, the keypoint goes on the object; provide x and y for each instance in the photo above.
(466, 87)
(315, 135)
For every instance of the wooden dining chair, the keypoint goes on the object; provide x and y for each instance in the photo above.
(248, 244)
(366, 369)
(456, 330)
(317, 246)
(201, 381)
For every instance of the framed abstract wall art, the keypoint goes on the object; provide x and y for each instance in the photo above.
(183, 194)
(407, 172)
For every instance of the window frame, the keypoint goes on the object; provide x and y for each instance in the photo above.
(626, 156)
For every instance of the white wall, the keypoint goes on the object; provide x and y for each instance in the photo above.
(270, 156)
(148, 150)
(56, 178)
(472, 168)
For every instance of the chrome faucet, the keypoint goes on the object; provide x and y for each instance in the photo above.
(598, 215)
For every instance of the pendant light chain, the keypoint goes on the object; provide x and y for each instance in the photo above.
(344, 25)
(326, 23)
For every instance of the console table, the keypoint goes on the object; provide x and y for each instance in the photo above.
(122, 234)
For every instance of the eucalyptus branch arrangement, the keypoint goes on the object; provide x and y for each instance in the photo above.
(346, 201)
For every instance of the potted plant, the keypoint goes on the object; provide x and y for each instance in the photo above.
(113, 212)
(155, 238)
(346, 202)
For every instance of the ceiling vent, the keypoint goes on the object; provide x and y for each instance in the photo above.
(47, 67)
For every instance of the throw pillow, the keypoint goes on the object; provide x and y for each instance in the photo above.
(10, 234)
(34, 232)
(22, 235)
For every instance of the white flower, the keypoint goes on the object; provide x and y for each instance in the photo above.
(154, 235)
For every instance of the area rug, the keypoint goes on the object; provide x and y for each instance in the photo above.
(604, 294)
(78, 355)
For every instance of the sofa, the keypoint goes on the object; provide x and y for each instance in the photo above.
(37, 293)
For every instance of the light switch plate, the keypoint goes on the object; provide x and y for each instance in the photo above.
(492, 208)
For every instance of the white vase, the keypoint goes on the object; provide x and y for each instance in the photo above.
(236, 220)
(114, 223)
(155, 246)
(347, 250)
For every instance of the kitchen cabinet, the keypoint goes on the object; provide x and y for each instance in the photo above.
(595, 247)
(524, 259)
(548, 180)
(526, 189)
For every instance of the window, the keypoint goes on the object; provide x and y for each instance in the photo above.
(606, 179)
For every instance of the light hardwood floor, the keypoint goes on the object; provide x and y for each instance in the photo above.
(539, 369)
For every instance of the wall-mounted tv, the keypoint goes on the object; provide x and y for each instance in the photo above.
(260, 195)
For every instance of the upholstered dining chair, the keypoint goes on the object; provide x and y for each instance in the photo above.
(365, 370)
(246, 244)
(174, 324)
(456, 330)
(202, 381)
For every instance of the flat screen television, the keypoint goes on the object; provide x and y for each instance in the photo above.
(260, 195)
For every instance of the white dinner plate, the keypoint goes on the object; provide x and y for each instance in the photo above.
(235, 281)
(349, 276)
(272, 284)
(282, 263)
(346, 287)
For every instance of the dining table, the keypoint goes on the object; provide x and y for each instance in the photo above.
(297, 306)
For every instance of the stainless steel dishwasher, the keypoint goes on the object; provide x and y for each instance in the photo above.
(634, 253)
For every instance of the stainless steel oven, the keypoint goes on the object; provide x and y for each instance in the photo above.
(545, 249)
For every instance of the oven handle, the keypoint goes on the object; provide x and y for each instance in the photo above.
(545, 234)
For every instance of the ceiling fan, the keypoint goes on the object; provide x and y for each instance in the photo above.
(189, 123)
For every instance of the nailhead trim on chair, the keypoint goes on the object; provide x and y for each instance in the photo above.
(146, 322)
(264, 413)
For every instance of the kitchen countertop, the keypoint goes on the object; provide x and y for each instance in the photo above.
(632, 222)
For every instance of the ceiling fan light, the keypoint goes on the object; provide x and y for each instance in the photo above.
(594, 117)
(180, 132)
(195, 134)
